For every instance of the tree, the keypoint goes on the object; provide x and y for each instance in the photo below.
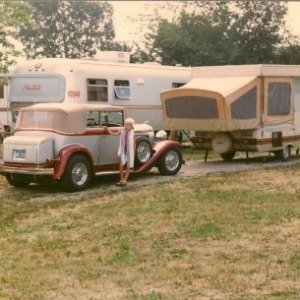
(67, 29)
(223, 32)
(13, 14)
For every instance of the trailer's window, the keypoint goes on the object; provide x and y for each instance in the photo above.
(177, 84)
(93, 119)
(97, 90)
(1, 91)
(122, 89)
(112, 118)
(244, 108)
(37, 88)
(192, 107)
(279, 98)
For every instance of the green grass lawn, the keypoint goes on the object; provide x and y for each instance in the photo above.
(223, 236)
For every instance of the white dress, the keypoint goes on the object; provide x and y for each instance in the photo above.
(127, 156)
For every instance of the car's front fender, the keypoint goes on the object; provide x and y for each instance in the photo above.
(158, 149)
(63, 156)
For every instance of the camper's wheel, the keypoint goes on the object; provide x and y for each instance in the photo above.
(143, 151)
(284, 154)
(170, 162)
(18, 180)
(297, 151)
(228, 156)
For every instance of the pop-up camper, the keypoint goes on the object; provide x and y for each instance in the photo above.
(238, 108)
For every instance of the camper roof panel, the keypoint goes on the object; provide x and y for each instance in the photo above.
(225, 86)
(246, 70)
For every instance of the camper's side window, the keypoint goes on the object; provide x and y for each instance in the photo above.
(122, 89)
(97, 90)
(177, 84)
(244, 107)
(279, 98)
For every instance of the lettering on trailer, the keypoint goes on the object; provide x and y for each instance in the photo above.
(74, 94)
(32, 87)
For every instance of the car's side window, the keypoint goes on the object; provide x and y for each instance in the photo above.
(93, 119)
(112, 118)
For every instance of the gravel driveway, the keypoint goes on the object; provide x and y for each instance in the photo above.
(193, 168)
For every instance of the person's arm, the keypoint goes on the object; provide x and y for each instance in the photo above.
(112, 132)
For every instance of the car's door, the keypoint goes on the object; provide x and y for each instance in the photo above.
(109, 144)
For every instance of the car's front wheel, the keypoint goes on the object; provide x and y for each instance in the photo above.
(170, 162)
(18, 180)
(78, 173)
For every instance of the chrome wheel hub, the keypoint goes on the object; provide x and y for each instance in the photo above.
(79, 173)
(172, 160)
(143, 152)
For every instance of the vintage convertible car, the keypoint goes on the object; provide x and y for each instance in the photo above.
(68, 143)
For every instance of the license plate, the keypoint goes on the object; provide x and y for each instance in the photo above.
(19, 154)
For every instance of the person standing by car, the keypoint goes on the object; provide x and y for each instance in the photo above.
(126, 149)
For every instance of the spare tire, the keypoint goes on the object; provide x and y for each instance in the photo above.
(143, 151)
(222, 143)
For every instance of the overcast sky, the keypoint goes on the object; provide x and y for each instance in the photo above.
(128, 31)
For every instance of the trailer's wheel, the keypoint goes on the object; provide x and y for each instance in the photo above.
(170, 162)
(284, 154)
(228, 156)
(18, 180)
(143, 151)
(78, 173)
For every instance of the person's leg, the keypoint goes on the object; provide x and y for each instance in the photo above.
(127, 172)
(121, 168)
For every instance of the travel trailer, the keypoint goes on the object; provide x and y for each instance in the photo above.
(110, 79)
(5, 115)
(238, 108)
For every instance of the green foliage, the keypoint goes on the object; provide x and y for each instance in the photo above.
(13, 14)
(70, 29)
(289, 55)
(217, 33)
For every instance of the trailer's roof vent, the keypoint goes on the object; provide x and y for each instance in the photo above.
(113, 56)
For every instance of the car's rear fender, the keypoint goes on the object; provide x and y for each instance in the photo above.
(64, 155)
(158, 149)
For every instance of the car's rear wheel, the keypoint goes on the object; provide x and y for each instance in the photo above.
(143, 151)
(78, 173)
(170, 162)
(18, 180)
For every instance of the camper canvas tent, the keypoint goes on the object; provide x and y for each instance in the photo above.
(248, 107)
